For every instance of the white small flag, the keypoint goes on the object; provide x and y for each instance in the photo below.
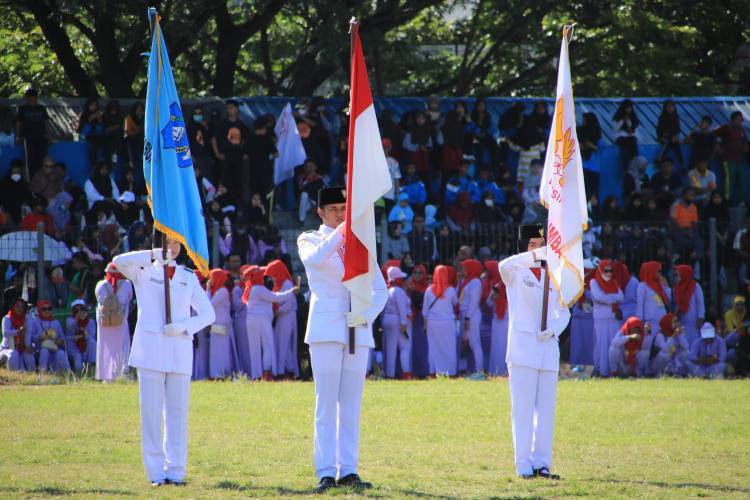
(562, 190)
(291, 151)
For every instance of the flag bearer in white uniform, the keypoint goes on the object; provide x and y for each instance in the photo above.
(533, 354)
(339, 376)
(163, 355)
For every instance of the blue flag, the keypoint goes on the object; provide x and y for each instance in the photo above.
(167, 164)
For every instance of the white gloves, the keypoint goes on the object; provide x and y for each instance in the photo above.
(353, 320)
(547, 334)
(158, 258)
(175, 329)
(539, 253)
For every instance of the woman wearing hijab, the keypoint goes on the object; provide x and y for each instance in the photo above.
(396, 322)
(470, 315)
(495, 298)
(18, 331)
(221, 332)
(15, 192)
(285, 323)
(673, 348)
(418, 143)
(416, 286)
(51, 340)
(606, 294)
(238, 321)
(80, 333)
(201, 348)
(101, 188)
(668, 132)
(690, 307)
(626, 123)
(259, 322)
(653, 294)
(113, 296)
(628, 285)
(630, 349)
(439, 313)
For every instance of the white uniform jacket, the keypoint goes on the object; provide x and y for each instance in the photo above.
(322, 254)
(525, 307)
(152, 349)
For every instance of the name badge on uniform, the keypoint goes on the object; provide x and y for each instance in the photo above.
(154, 280)
(529, 282)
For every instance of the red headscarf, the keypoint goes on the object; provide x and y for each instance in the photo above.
(113, 276)
(665, 323)
(452, 276)
(277, 270)
(621, 274)
(242, 270)
(608, 287)
(46, 316)
(218, 278)
(632, 346)
(253, 276)
(18, 320)
(419, 286)
(683, 291)
(472, 269)
(493, 278)
(440, 280)
(201, 278)
(649, 276)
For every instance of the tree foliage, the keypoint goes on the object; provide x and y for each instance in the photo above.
(414, 47)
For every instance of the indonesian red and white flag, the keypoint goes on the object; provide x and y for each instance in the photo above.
(562, 190)
(368, 180)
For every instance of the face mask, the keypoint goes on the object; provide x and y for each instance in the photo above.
(197, 118)
(489, 202)
(15, 177)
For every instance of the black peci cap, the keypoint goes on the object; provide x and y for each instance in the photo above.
(331, 195)
(527, 232)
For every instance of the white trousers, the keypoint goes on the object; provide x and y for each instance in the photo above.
(394, 342)
(532, 396)
(339, 381)
(475, 342)
(164, 401)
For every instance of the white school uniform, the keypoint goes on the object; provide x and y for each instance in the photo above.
(440, 317)
(164, 362)
(339, 376)
(533, 363)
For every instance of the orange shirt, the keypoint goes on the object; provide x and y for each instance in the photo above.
(685, 216)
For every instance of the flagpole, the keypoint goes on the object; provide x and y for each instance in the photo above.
(352, 30)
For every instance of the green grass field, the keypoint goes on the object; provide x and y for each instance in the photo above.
(422, 439)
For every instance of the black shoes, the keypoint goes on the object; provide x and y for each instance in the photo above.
(353, 481)
(174, 482)
(325, 484)
(544, 473)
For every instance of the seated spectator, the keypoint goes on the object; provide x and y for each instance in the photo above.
(206, 189)
(199, 138)
(461, 214)
(390, 130)
(394, 246)
(610, 211)
(46, 182)
(735, 315)
(513, 207)
(393, 169)
(402, 213)
(684, 212)
(430, 221)
(113, 131)
(257, 215)
(703, 141)
(15, 193)
(241, 242)
(70, 186)
(271, 245)
(533, 183)
(126, 211)
(487, 211)
(529, 142)
(133, 132)
(741, 358)
(308, 183)
(38, 215)
(708, 354)
(702, 180)
(447, 244)
(80, 332)
(56, 290)
(630, 349)
(668, 132)
(636, 210)
(482, 135)
(486, 183)
(101, 188)
(17, 345)
(413, 186)
(137, 238)
(674, 348)
(418, 143)
(666, 183)
(422, 244)
(626, 123)
(221, 214)
(461, 182)
(635, 179)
